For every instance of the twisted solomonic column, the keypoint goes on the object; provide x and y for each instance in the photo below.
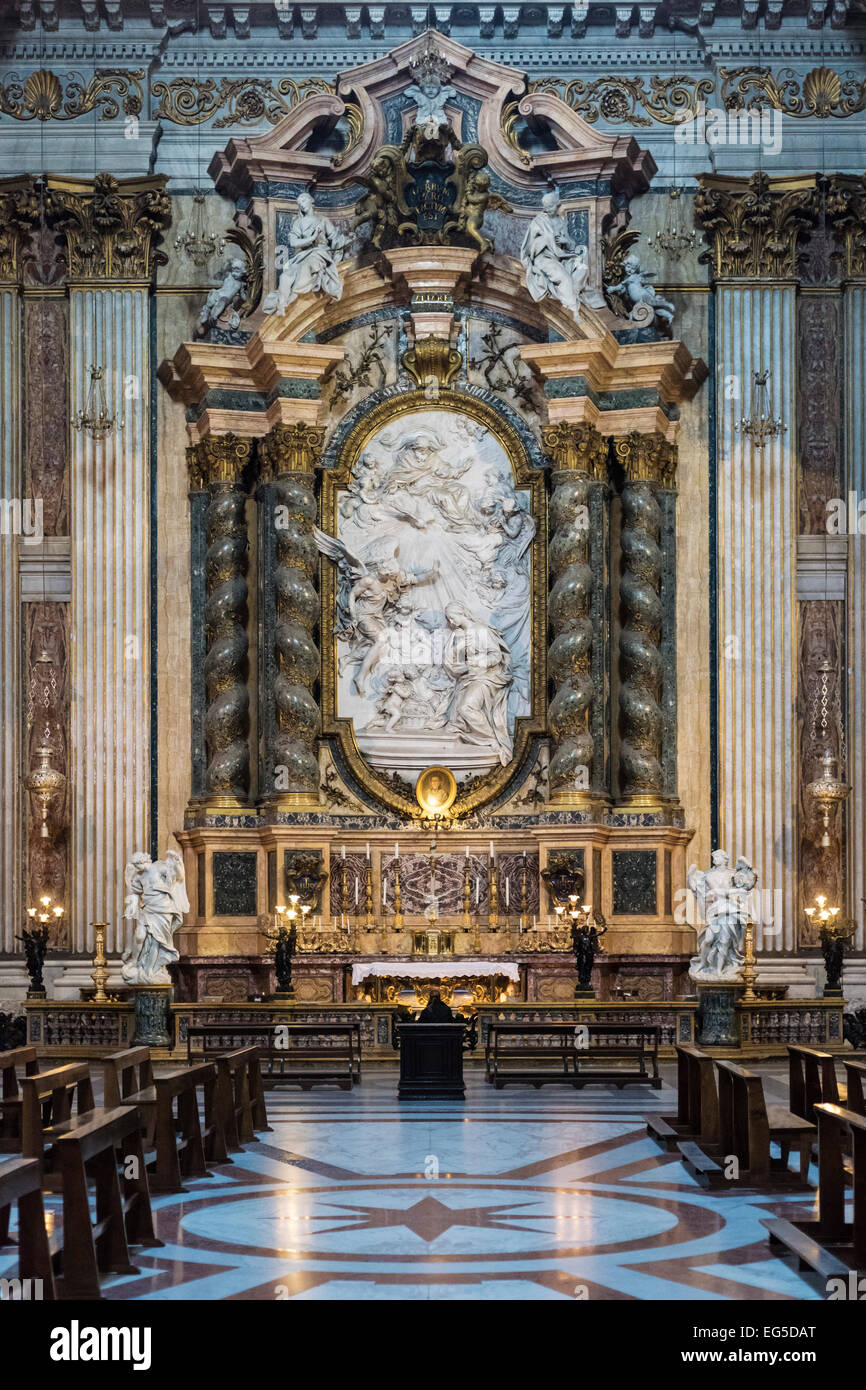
(579, 453)
(292, 768)
(222, 460)
(649, 463)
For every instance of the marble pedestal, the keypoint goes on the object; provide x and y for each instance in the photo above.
(719, 1014)
(151, 1015)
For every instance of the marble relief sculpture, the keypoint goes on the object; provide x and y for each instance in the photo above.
(433, 596)
(556, 267)
(155, 903)
(317, 248)
(721, 894)
(638, 289)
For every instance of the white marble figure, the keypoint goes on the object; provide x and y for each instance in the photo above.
(430, 95)
(721, 895)
(637, 286)
(317, 249)
(479, 660)
(556, 267)
(223, 297)
(156, 901)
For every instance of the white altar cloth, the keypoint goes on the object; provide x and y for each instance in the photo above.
(432, 969)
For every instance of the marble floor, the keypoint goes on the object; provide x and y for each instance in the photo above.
(513, 1194)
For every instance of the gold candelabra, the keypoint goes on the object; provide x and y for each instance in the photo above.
(100, 973)
(750, 968)
(398, 899)
(493, 905)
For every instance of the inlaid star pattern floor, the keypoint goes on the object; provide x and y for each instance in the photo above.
(513, 1194)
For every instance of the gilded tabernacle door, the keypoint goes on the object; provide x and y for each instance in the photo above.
(433, 524)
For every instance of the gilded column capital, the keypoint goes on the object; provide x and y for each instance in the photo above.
(112, 227)
(19, 213)
(576, 448)
(291, 449)
(646, 458)
(218, 460)
(753, 226)
(846, 211)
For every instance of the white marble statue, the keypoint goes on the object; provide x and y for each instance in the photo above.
(430, 94)
(317, 249)
(155, 903)
(637, 287)
(722, 896)
(223, 298)
(556, 267)
(433, 620)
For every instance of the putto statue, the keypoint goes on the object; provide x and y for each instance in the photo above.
(222, 299)
(317, 249)
(637, 287)
(156, 901)
(431, 129)
(556, 268)
(721, 895)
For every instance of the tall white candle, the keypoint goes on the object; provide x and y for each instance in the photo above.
(367, 850)
(506, 891)
(467, 851)
(343, 852)
(491, 849)
(396, 849)
(356, 890)
(477, 891)
(384, 892)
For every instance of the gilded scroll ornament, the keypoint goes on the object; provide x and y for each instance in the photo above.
(242, 100)
(112, 227)
(43, 96)
(822, 93)
(619, 100)
(432, 360)
(753, 226)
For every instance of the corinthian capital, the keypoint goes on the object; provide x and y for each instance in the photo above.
(112, 227)
(218, 459)
(577, 448)
(647, 458)
(19, 213)
(846, 211)
(752, 226)
(291, 448)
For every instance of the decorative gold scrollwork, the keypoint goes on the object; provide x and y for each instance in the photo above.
(619, 100)
(242, 100)
(822, 93)
(44, 97)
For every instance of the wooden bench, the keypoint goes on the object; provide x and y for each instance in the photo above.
(830, 1245)
(10, 1100)
(105, 1150)
(21, 1183)
(128, 1080)
(269, 1037)
(697, 1116)
(574, 1045)
(855, 1075)
(811, 1081)
(747, 1125)
(240, 1096)
(52, 1104)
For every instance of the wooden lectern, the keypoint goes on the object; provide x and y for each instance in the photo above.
(431, 1060)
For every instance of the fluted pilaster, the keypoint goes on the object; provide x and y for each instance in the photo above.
(579, 453)
(291, 767)
(648, 463)
(222, 460)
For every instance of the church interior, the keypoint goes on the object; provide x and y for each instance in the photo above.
(433, 634)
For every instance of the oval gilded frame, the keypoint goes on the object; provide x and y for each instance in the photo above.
(390, 790)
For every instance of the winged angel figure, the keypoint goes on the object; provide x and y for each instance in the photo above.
(369, 588)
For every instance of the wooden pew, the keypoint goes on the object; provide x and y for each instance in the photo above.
(855, 1075)
(281, 1042)
(10, 1100)
(21, 1182)
(240, 1096)
(569, 1060)
(53, 1103)
(697, 1116)
(164, 1129)
(830, 1245)
(107, 1151)
(811, 1081)
(746, 1127)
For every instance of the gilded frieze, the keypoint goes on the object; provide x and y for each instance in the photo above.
(822, 93)
(621, 100)
(43, 96)
(233, 101)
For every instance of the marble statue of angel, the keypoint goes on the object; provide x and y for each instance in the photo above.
(430, 94)
(721, 894)
(223, 297)
(637, 286)
(368, 591)
(556, 267)
(155, 903)
(317, 248)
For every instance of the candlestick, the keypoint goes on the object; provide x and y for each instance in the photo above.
(493, 904)
(523, 895)
(467, 892)
(398, 897)
(369, 896)
(100, 974)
